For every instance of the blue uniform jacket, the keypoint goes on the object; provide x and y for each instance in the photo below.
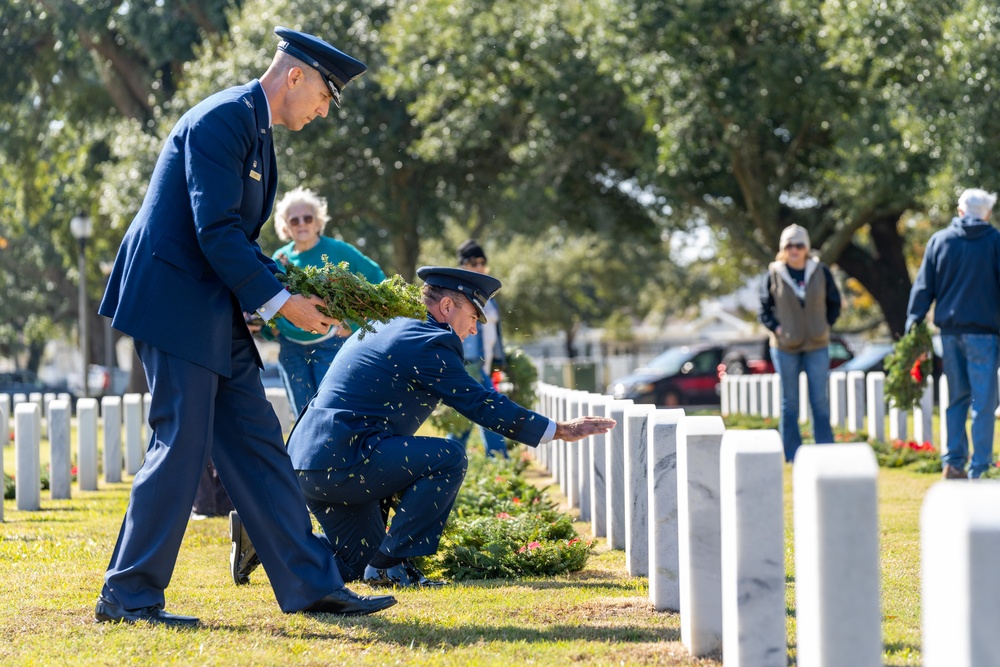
(190, 257)
(961, 272)
(387, 384)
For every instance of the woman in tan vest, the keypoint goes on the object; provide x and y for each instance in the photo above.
(799, 304)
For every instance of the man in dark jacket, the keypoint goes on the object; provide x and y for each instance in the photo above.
(961, 273)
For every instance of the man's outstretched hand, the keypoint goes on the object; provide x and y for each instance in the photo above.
(581, 427)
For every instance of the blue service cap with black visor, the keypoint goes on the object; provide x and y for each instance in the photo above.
(337, 68)
(477, 287)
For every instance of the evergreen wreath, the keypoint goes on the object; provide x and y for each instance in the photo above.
(349, 297)
(908, 366)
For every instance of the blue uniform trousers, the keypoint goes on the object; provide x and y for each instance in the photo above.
(196, 413)
(426, 472)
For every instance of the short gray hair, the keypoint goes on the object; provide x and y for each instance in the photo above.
(977, 202)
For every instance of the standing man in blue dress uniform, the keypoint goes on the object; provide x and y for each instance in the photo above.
(355, 445)
(191, 257)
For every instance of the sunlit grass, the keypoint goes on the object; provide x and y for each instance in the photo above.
(52, 563)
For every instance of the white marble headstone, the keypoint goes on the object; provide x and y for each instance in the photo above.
(636, 490)
(855, 401)
(923, 414)
(583, 459)
(836, 556)
(598, 460)
(805, 412)
(86, 440)
(753, 546)
(875, 397)
(27, 479)
(60, 459)
(132, 411)
(664, 568)
(699, 441)
(111, 419)
(614, 468)
(960, 540)
(838, 398)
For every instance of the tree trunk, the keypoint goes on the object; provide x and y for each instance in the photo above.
(884, 272)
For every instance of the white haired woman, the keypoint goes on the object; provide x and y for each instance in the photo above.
(304, 357)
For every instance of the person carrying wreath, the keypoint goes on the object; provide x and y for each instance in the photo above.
(960, 273)
(188, 267)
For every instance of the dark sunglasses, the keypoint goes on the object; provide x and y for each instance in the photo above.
(796, 246)
(305, 220)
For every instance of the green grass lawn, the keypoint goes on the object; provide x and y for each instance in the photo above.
(52, 562)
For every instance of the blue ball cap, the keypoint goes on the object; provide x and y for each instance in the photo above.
(338, 68)
(478, 287)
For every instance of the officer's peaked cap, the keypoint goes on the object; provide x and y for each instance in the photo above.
(478, 287)
(338, 68)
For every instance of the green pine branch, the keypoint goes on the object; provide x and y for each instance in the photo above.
(349, 297)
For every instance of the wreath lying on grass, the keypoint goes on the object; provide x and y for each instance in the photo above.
(349, 297)
(908, 366)
(502, 526)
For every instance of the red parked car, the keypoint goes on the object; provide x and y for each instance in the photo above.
(690, 374)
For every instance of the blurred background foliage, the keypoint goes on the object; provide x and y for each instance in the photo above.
(617, 159)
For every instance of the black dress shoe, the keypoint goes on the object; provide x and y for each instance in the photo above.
(345, 602)
(403, 575)
(242, 557)
(109, 612)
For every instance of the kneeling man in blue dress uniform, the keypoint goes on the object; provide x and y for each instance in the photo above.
(354, 445)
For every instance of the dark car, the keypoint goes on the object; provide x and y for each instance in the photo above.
(686, 375)
(755, 356)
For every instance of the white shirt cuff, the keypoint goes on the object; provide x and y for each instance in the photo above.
(273, 305)
(550, 433)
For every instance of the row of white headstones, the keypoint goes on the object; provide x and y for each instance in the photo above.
(854, 397)
(35, 415)
(699, 510)
(124, 432)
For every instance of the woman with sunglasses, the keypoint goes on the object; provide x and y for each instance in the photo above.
(304, 356)
(799, 304)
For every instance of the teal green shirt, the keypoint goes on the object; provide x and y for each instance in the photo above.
(336, 252)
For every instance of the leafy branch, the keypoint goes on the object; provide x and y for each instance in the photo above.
(349, 297)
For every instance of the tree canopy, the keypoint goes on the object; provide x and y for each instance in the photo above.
(573, 138)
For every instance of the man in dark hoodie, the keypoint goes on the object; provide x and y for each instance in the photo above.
(961, 272)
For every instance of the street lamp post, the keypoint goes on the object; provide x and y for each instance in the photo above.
(109, 341)
(82, 227)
